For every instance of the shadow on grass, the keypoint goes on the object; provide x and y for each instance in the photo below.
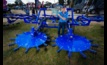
(7, 53)
(11, 26)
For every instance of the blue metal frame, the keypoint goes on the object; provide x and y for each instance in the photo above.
(10, 17)
(51, 17)
(79, 21)
(90, 18)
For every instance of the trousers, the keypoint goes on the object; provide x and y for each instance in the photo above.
(62, 25)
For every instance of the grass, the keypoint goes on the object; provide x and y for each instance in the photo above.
(50, 56)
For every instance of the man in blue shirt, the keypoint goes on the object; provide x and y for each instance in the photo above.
(63, 16)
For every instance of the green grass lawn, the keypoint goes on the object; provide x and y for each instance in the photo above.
(50, 56)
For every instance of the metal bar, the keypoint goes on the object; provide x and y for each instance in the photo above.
(69, 54)
(84, 56)
(27, 50)
(11, 44)
(16, 49)
(92, 51)
(12, 39)
(45, 44)
(94, 45)
(53, 45)
(59, 49)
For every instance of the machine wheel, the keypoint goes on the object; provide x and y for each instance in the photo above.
(92, 11)
(101, 12)
(78, 11)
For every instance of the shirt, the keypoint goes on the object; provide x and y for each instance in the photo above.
(65, 15)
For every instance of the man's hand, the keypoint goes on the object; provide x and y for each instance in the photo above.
(63, 18)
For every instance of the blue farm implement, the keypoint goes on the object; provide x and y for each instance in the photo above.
(69, 42)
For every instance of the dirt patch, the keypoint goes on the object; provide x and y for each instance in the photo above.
(14, 12)
(5, 21)
(100, 23)
(18, 12)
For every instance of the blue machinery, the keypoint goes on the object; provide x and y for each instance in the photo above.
(80, 20)
(84, 21)
(13, 17)
(74, 43)
(68, 42)
(31, 39)
(45, 17)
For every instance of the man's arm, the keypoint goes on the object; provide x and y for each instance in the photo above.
(66, 16)
(61, 17)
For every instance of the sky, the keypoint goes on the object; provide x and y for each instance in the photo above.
(25, 1)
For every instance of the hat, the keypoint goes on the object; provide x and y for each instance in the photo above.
(63, 6)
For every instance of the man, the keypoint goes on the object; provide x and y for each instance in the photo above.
(63, 16)
(27, 10)
(33, 11)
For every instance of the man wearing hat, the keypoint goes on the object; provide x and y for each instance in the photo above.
(63, 16)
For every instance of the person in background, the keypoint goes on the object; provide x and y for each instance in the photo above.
(27, 10)
(9, 10)
(63, 17)
(33, 11)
